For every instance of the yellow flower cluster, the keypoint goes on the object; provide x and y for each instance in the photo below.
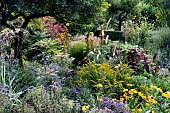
(159, 89)
(84, 108)
(121, 99)
(129, 84)
(142, 95)
(114, 99)
(126, 96)
(132, 91)
(147, 104)
(166, 94)
(99, 85)
(137, 110)
(152, 100)
(155, 87)
(124, 90)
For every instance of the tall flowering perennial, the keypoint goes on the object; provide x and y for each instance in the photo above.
(58, 31)
(105, 77)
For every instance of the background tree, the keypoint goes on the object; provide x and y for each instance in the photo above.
(82, 11)
(162, 12)
(120, 10)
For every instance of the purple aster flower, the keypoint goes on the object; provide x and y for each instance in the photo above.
(56, 83)
(75, 90)
(6, 87)
(113, 106)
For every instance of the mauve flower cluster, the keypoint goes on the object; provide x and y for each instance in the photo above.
(75, 90)
(4, 90)
(112, 106)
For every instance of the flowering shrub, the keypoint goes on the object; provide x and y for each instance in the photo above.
(6, 103)
(39, 99)
(104, 78)
(113, 106)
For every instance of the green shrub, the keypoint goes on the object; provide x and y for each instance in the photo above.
(115, 35)
(77, 50)
(104, 77)
(41, 100)
(42, 48)
(31, 39)
(160, 44)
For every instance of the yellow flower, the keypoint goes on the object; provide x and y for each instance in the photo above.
(114, 99)
(133, 91)
(124, 90)
(126, 97)
(129, 84)
(166, 94)
(147, 104)
(142, 95)
(121, 99)
(153, 112)
(99, 85)
(84, 107)
(153, 86)
(160, 90)
(67, 24)
(152, 100)
(140, 110)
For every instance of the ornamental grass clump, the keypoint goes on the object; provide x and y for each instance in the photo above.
(78, 51)
(104, 78)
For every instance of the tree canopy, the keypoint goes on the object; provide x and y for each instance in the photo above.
(62, 10)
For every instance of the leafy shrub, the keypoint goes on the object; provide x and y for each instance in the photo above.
(134, 56)
(160, 44)
(139, 34)
(140, 62)
(41, 100)
(41, 48)
(32, 39)
(104, 77)
(63, 59)
(24, 77)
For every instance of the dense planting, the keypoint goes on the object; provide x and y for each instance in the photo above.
(60, 57)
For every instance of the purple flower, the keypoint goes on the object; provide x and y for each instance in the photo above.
(56, 83)
(8, 95)
(113, 106)
(75, 90)
(31, 87)
(6, 87)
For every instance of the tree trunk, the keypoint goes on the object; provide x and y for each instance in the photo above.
(120, 22)
(17, 50)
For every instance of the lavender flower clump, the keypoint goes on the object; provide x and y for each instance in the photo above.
(111, 106)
